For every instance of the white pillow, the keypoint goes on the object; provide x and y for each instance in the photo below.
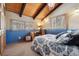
(63, 38)
(76, 32)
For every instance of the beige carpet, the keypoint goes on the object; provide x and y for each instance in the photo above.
(19, 49)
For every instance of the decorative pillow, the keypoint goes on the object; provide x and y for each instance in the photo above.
(65, 34)
(74, 40)
(75, 32)
(58, 35)
(64, 38)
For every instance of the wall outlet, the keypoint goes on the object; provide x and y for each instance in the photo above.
(19, 37)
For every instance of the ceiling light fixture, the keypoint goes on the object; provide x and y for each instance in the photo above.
(51, 5)
(76, 11)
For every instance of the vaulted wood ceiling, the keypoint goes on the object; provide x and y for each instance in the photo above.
(35, 10)
(14, 7)
(31, 9)
(46, 11)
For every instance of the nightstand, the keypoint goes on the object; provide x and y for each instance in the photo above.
(37, 33)
(32, 34)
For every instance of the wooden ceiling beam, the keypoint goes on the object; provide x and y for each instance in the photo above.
(46, 11)
(22, 9)
(52, 10)
(39, 9)
(33, 9)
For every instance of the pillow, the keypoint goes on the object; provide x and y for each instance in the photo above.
(64, 38)
(75, 33)
(58, 35)
(65, 34)
(74, 40)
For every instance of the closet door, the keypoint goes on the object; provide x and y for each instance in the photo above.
(2, 29)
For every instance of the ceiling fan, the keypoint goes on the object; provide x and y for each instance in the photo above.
(51, 5)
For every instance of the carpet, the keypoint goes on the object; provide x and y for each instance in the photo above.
(19, 49)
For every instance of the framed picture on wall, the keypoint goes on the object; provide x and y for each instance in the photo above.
(59, 22)
(17, 25)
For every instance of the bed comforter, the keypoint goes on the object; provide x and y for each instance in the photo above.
(47, 45)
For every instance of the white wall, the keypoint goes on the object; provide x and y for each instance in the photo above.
(67, 8)
(13, 16)
(74, 22)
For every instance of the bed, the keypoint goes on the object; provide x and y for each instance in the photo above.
(55, 45)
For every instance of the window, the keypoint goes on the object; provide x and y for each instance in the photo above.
(21, 25)
(18, 25)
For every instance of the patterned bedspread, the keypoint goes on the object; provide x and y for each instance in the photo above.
(46, 45)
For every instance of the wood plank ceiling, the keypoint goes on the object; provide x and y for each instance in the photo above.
(31, 9)
(14, 7)
(46, 11)
(35, 10)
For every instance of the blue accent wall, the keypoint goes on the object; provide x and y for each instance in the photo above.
(55, 31)
(13, 35)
